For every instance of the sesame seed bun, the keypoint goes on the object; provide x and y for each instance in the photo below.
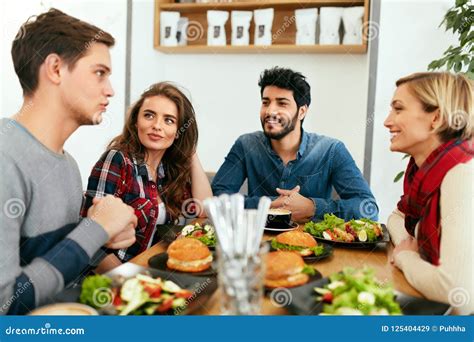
(188, 255)
(284, 269)
(296, 280)
(297, 238)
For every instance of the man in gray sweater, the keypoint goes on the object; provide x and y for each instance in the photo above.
(63, 65)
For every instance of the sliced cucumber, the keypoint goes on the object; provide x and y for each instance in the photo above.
(321, 290)
(178, 302)
(150, 309)
(131, 288)
(171, 287)
(148, 279)
(335, 284)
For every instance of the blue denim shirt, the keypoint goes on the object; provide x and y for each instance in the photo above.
(321, 164)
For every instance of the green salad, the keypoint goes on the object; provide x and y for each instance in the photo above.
(334, 228)
(357, 292)
(205, 234)
(139, 295)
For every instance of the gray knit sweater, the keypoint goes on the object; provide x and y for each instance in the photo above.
(43, 243)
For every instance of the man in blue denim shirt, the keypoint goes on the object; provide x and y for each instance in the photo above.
(298, 170)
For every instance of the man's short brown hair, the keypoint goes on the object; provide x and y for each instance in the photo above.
(52, 32)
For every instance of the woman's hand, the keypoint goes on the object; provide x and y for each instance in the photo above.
(408, 244)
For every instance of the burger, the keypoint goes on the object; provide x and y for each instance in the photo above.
(297, 241)
(286, 269)
(188, 255)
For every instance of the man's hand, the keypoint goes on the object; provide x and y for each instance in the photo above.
(117, 219)
(124, 239)
(302, 208)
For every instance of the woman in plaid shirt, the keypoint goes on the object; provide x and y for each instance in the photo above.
(152, 166)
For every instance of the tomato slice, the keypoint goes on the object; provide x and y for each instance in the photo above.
(198, 233)
(153, 291)
(156, 293)
(166, 305)
(116, 295)
(328, 297)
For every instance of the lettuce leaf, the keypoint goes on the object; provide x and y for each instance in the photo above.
(92, 284)
(330, 222)
(318, 250)
(209, 241)
(308, 270)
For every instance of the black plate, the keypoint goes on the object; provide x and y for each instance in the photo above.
(304, 302)
(358, 244)
(328, 249)
(159, 262)
(313, 278)
(203, 288)
(169, 232)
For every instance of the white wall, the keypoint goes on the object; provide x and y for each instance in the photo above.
(227, 98)
(409, 40)
(88, 143)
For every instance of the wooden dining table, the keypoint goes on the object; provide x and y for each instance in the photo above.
(377, 258)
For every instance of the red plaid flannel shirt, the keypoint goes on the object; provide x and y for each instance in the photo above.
(121, 175)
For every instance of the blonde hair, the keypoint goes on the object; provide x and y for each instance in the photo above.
(452, 94)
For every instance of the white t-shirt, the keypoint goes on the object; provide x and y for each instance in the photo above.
(160, 220)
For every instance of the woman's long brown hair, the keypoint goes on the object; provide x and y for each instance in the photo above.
(177, 158)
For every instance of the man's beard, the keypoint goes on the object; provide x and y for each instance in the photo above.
(87, 120)
(82, 118)
(288, 127)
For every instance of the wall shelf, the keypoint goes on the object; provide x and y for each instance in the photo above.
(283, 42)
(237, 5)
(284, 48)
